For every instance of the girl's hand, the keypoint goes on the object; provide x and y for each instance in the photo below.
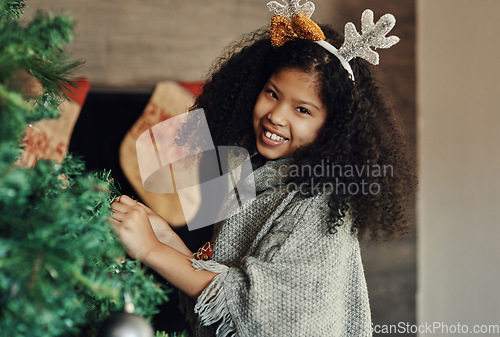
(162, 230)
(131, 223)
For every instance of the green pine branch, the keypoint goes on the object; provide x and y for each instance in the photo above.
(62, 269)
(11, 9)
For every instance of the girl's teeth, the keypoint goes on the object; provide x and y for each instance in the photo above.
(274, 136)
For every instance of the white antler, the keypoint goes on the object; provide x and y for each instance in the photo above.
(372, 35)
(291, 8)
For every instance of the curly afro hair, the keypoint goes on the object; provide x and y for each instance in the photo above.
(374, 181)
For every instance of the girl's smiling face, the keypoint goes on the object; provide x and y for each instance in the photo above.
(288, 113)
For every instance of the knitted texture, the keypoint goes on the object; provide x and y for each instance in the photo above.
(281, 272)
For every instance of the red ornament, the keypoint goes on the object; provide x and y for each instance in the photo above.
(205, 252)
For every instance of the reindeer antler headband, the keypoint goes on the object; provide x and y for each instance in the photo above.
(293, 21)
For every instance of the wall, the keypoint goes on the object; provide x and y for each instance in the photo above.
(459, 142)
(132, 44)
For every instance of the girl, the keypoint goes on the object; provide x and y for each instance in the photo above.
(330, 165)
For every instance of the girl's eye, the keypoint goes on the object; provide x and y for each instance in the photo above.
(303, 110)
(272, 93)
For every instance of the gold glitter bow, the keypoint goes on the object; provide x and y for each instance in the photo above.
(282, 30)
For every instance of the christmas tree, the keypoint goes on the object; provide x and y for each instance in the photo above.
(62, 269)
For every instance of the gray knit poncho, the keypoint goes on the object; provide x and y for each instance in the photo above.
(281, 273)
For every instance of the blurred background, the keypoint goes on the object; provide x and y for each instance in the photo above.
(442, 78)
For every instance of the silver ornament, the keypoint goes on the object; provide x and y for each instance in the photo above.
(372, 35)
(291, 8)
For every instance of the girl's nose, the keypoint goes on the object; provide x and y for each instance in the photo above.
(277, 116)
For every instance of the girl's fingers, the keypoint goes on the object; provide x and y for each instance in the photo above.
(127, 200)
(118, 216)
(115, 224)
(117, 207)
